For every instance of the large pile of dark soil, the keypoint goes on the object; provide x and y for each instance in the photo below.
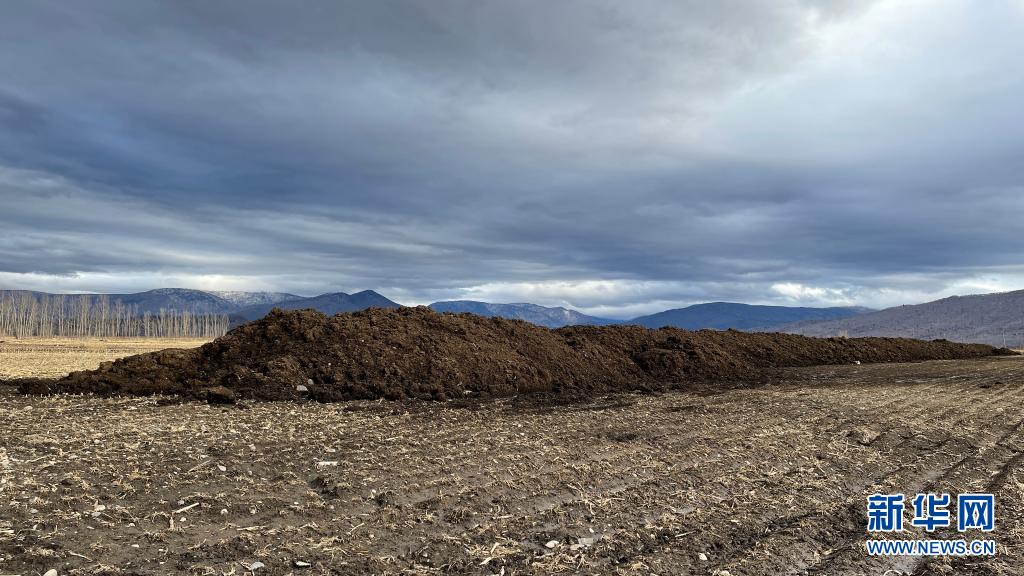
(418, 353)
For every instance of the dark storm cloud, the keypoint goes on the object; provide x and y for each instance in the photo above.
(615, 156)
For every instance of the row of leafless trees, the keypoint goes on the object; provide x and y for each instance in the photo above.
(24, 314)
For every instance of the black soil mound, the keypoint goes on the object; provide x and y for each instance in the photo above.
(418, 353)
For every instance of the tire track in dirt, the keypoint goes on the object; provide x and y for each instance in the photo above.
(937, 448)
(1010, 499)
(974, 467)
(789, 534)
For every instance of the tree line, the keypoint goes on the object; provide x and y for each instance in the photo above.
(24, 314)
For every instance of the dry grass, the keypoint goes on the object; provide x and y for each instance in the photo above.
(51, 357)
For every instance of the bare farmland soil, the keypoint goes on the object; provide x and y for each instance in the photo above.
(56, 357)
(743, 481)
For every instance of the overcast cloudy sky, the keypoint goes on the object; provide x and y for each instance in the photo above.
(617, 157)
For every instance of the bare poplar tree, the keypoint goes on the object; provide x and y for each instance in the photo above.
(23, 314)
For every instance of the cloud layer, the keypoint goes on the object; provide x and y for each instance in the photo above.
(618, 158)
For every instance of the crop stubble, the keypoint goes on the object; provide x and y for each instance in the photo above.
(767, 480)
(56, 357)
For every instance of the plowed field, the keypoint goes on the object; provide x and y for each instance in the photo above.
(759, 480)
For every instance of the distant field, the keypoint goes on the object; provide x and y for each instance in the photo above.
(50, 357)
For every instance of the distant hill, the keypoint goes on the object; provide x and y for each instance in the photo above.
(981, 318)
(540, 315)
(330, 304)
(724, 315)
(153, 301)
(245, 299)
(241, 306)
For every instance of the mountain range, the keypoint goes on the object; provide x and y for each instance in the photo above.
(331, 304)
(723, 315)
(246, 299)
(241, 306)
(153, 301)
(996, 319)
(540, 315)
(247, 306)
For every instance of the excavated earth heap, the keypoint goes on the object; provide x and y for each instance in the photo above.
(418, 353)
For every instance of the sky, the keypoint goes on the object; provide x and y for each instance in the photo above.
(619, 158)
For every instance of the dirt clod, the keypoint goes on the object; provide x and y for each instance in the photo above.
(418, 353)
(220, 395)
